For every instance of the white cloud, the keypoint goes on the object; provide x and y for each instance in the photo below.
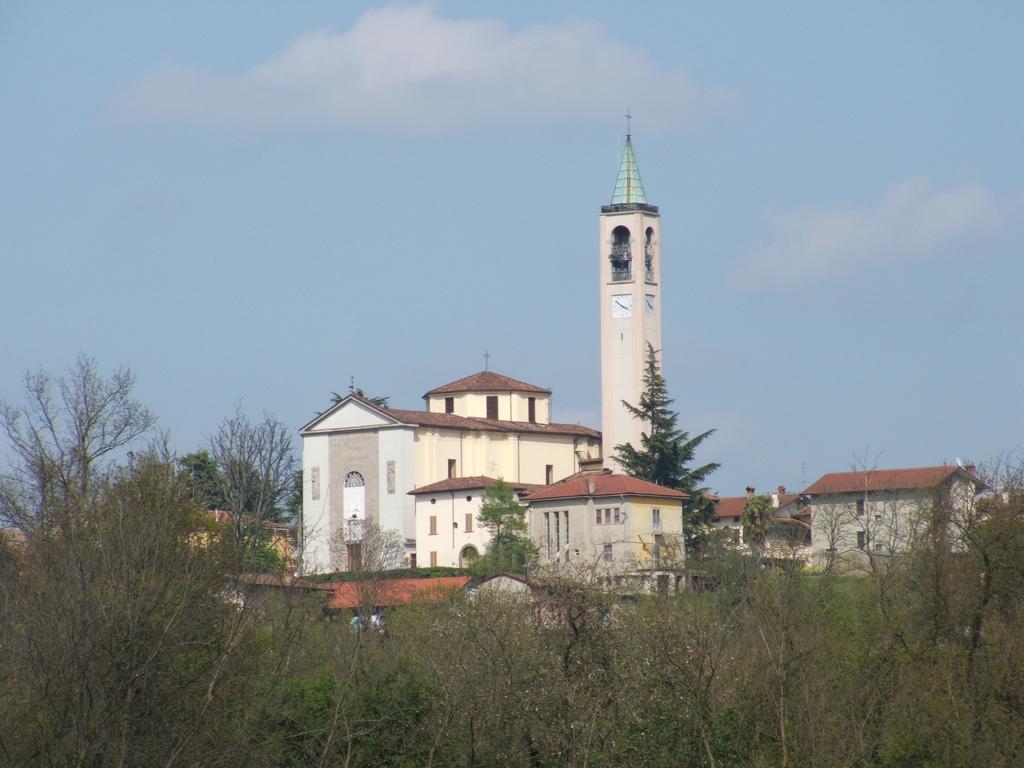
(406, 69)
(914, 220)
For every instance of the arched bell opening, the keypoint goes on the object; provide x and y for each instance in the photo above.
(649, 253)
(622, 255)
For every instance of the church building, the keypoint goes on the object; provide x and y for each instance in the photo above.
(361, 461)
(422, 473)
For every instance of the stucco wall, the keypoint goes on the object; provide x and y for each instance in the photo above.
(352, 452)
(449, 508)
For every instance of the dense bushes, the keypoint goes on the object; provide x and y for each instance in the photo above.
(120, 645)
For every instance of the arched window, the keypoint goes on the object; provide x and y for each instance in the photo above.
(622, 256)
(354, 497)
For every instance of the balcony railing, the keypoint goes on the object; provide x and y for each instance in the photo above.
(354, 531)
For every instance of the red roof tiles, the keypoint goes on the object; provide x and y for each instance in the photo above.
(604, 484)
(388, 592)
(487, 381)
(472, 423)
(882, 480)
(732, 506)
(467, 484)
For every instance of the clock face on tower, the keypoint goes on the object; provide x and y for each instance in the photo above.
(622, 305)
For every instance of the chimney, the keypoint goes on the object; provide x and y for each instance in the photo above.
(782, 490)
(591, 486)
(750, 491)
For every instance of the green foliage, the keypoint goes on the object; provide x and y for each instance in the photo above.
(381, 401)
(510, 547)
(203, 479)
(395, 573)
(666, 452)
(757, 519)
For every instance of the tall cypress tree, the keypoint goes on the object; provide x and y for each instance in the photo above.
(666, 452)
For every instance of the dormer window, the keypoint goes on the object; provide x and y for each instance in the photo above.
(449, 405)
(531, 408)
(492, 407)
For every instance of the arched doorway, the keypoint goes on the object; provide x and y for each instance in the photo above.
(468, 554)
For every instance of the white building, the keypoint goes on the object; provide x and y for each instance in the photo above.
(859, 518)
(447, 531)
(360, 460)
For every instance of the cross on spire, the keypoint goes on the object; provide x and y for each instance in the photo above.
(487, 361)
(629, 118)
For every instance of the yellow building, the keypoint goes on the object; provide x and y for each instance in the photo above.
(630, 528)
(360, 460)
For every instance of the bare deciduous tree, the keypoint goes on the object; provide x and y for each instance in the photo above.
(256, 468)
(64, 435)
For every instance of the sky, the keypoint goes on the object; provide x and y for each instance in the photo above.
(258, 203)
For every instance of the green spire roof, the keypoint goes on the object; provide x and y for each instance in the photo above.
(628, 186)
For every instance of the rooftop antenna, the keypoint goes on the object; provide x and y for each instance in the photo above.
(487, 361)
(351, 383)
(803, 474)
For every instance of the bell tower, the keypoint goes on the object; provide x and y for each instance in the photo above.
(630, 269)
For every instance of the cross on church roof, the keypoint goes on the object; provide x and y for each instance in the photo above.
(487, 361)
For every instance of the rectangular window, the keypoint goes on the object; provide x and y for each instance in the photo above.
(451, 468)
(391, 476)
(549, 474)
(433, 525)
(492, 406)
(433, 559)
(606, 552)
(314, 481)
(860, 507)
(608, 517)
(449, 405)
(878, 547)
(531, 409)
(862, 539)
(656, 518)
(598, 513)
(469, 522)
(615, 516)
(878, 518)
(547, 531)
(558, 532)
(566, 513)
(412, 559)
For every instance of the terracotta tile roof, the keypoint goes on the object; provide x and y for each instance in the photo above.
(605, 484)
(388, 592)
(487, 381)
(883, 480)
(469, 423)
(466, 484)
(451, 421)
(732, 506)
